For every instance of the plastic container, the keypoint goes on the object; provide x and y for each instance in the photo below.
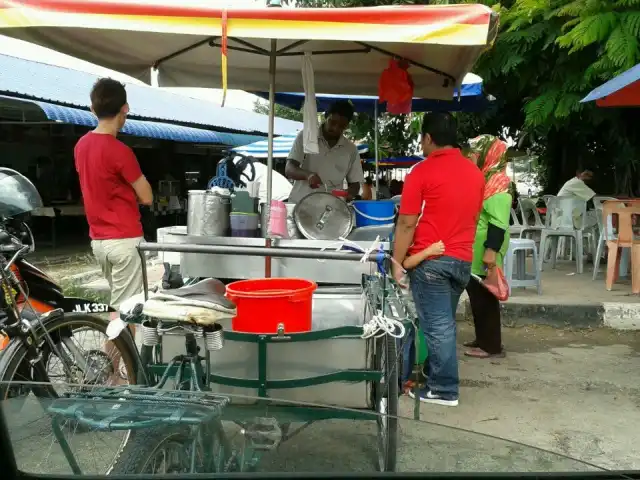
(266, 303)
(374, 212)
(244, 224)
(245, 233)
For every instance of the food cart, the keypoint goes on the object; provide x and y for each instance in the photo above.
(202, 46)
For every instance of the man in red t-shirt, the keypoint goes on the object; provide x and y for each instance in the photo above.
(441, 201)
(112, 185)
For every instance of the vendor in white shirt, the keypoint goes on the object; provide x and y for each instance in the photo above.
(577, 188)
(337, 161)
(281, 187)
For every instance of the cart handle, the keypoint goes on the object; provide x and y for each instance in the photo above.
(278, 252)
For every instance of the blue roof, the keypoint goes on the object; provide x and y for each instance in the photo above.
(139, 128)
(71, 87)
(612, 86)
(281, 147)
(470, 98)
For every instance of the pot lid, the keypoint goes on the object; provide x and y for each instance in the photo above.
(322, 216)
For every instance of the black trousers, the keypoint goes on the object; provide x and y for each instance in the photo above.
(485, 308)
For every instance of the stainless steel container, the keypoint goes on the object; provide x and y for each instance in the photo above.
(292, 228)
(208, 214)
(322, 216)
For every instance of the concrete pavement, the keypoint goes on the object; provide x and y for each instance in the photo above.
(573, 392)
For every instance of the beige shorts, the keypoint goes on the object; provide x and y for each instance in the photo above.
(121, 266)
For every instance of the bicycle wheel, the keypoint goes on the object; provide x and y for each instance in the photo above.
(168, 450)
(386, 402)
(27, 387)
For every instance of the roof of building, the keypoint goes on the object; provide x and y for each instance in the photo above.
(59, 85)
(138, 128)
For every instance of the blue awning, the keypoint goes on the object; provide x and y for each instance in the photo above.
(140, 128)
(281, 147)
(470, 98)
(620, 91)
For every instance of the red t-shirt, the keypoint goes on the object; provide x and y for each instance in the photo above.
(107, 168)
(446, 190)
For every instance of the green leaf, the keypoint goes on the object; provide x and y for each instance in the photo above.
(622, 48)
(567, 103)
(541, 109)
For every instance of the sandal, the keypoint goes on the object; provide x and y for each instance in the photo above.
(471, 344)
(479, 353)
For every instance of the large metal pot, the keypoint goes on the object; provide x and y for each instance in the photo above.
(208, 213)
(292, 228)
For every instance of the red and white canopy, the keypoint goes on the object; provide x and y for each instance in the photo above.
(351, 46)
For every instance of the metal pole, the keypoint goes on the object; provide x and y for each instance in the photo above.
(272, 101)
(277, 252)
(375, 145)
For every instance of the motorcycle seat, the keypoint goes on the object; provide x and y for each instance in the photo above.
(202, 304)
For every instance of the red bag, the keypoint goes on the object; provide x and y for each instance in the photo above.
(497, 284)
(396, 88)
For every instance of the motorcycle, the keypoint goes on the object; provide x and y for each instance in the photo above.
(43, 293)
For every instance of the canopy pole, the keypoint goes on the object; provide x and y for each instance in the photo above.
(272, 113)
(375, 145)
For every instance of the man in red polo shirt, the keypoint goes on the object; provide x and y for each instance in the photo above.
(441, 201)
(112, 185)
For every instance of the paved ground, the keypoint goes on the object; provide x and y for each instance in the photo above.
(572, 392)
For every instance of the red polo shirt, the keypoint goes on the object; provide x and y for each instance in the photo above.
(446, 189)
(107, 168)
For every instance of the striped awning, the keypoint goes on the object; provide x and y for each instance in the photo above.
(281, 147)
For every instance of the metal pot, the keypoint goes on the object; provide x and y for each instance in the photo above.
(322, 216)
(208, 213)
(292, 228)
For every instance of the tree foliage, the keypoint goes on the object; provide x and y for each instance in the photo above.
(548, 55)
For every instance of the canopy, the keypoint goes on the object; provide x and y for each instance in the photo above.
(620, 91)
(281, 147)
(468, 98)
(350, 46)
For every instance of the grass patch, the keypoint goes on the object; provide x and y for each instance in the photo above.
(73, 289)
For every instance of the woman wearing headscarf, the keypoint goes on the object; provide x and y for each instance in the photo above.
(490, 245)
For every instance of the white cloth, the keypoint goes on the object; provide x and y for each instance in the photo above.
(281, 186)
(310, 110)
(576, 188)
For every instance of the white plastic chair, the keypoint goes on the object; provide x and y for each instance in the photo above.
(516, 228)
(527, 210)
(565, 219)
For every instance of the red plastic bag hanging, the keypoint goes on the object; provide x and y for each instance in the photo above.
(396, 87)
(497, 284)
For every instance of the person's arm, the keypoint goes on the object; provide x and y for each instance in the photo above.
(129, 169)
(410, 209)
(432, 250)
(293, 169)
(498, 209)
(355, 175)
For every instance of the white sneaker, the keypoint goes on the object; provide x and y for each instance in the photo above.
(428, 397)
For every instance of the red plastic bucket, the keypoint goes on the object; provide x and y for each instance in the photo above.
(265, 303)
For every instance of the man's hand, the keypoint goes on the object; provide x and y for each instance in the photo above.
(314, 180)
(489, 258)
(398, 274)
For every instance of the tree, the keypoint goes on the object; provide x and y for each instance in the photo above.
(548, 55)
(260, 106)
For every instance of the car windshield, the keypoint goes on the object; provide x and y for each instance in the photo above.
(246, 434)
(17, 194)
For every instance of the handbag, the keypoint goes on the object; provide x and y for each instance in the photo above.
(497, 284)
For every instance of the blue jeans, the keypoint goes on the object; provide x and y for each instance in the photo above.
(436, 286)
(407, 345)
